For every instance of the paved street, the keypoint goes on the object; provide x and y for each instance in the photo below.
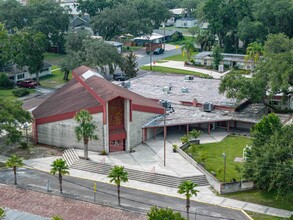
(132, 200)
(143, 58)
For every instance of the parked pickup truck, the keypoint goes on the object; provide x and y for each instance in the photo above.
(158, 51)
(27, 84)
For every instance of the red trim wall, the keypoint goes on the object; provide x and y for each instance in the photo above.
(65, 116)
(142, 108)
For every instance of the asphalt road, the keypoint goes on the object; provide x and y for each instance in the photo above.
(144, 59)
(106, 194)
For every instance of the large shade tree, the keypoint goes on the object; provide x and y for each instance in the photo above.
(85, 130)
(27, 49)
(273, 73)
(60, 167)
(118, 175)
(12, 117)
(14, 162)
(188, 188)
(270, 160)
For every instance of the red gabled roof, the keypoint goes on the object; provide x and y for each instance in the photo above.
(70, 98)
(80, 93)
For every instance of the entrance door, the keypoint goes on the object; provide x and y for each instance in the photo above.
(117, 134)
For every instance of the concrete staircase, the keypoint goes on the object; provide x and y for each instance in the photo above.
(70, 156)
(141, 176)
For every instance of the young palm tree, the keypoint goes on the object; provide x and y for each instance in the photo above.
(118, 175)
(188, 188)
(85, 130)
(253, 52)
(188, 48)
(59, 166)
(14, 162)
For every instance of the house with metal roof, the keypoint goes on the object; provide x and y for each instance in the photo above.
(118, 113)
(229, 59)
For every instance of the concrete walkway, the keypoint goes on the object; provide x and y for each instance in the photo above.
(152, 157)
(180, 65)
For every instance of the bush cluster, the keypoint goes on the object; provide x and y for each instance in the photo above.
(20, 92)
(5, 82)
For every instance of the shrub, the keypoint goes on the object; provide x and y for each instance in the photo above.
(20, 92)
(5, 82)
(103, 152)
(23, 145)
(2, 213)
(175, 148)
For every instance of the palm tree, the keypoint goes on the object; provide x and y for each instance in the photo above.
(59, 166)
(118, 175)
(85, 130)
(188, 48)
(14, 162)
(253, 52)
(188, 188)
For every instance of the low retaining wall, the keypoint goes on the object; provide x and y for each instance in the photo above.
(236, 186)
(221, 188)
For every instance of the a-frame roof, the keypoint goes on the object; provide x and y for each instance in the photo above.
(87, 90)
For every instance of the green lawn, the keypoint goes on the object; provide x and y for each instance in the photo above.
(176, 71)
(262, 198)
(56, 78)
(54, 58)
(232, 146)
(181, 42)
(131, 48)
(178, 57)
(7, 93)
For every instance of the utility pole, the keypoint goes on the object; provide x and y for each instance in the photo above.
(164, 25)
(151, 67)
(165, 134)
(224, 156)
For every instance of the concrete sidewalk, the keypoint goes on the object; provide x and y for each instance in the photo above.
(205, 195)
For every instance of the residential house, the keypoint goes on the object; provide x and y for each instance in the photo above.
(185, 22)
(15, 74)
(168, 33)
(154, 38)
(229, 60)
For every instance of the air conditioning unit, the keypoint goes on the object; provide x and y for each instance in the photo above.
(126, 84)
(184, 90)
(190, 78)
(167, 89)
(207, 107)
(166, 104)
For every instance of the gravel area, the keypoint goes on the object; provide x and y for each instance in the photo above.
(49, 205)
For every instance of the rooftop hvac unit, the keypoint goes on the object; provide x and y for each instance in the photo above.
(207, 107)
(166, 104)
(126, 84)
(184, 90)
(167, 89)
(190, 78)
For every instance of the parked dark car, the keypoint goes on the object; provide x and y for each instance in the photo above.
(158, 51)
(27, 84)
(119, 77)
